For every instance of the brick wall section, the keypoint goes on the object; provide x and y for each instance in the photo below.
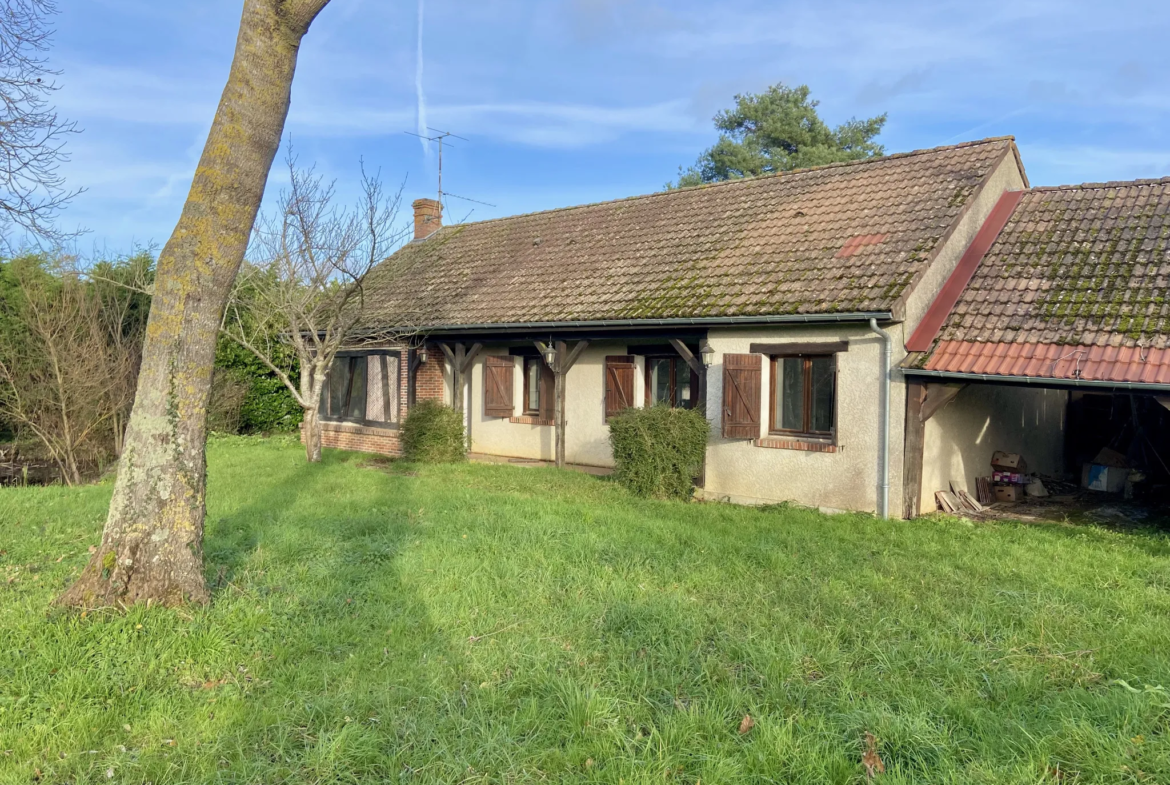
(428, 379)
(360, 438)
(364, 438)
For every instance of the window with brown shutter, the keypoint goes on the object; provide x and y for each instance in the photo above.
(741, 396)
(497, 386)
(619, 384)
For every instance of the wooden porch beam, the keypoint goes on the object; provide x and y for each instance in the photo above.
(688, 355)
(572, 357)
(913, 448)
(469, 356)
(700, 370)
(563, 359)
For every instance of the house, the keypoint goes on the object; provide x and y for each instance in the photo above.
(781, 305)
(1051, 340)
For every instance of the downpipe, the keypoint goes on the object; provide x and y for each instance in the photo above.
(884, 421)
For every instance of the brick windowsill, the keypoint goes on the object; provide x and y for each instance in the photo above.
(526, 420)
(807, 445)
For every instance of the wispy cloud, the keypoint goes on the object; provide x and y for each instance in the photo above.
(420, 93)
(545, 124)
(592, 99)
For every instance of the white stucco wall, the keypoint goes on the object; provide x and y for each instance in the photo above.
(586, 434)
(960, 438)
(740, 471)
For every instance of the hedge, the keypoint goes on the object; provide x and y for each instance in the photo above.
(433, 433)
(658, 451)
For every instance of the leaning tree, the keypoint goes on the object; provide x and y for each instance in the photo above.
(152, 544)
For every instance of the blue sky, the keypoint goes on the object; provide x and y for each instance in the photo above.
(583, 100)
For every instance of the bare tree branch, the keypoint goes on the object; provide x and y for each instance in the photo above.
(304, 292)
(32, 136)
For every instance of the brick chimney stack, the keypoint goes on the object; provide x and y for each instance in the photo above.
(428, 217)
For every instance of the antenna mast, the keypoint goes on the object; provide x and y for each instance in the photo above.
(440, 137)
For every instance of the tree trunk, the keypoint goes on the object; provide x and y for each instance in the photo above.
(152, 545)
(311, 433)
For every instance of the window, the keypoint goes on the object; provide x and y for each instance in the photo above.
(538, 388)
(362, 388)
(671, 381)
(803, 395)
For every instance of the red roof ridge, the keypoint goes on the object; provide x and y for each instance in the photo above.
(737, 181)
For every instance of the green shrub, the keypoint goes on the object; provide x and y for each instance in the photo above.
(268, 406)
(433, 433)
(658, 451)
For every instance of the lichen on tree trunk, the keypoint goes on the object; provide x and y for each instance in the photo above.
(152, 544)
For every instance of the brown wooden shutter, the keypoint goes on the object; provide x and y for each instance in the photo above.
(497, 386)
(619, 384)
(741, 396)
(548, 386)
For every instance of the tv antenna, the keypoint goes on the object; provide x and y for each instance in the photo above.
(441, 137)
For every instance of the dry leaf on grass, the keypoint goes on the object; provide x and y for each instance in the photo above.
(747, 724)
(870, 758)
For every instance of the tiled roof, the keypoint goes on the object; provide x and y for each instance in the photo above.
(1129, 364)
(839, 238)
(1074, 287)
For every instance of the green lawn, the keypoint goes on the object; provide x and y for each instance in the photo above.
(386, 622)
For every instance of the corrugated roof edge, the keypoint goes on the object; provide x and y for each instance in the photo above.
(739, 181)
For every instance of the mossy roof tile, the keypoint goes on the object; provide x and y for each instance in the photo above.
(1100, 279)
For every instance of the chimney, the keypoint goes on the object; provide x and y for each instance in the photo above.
(428, 217)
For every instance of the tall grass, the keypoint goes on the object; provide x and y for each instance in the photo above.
(380, 621)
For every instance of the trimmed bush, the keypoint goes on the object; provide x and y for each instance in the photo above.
(658, 451)
(433, 433)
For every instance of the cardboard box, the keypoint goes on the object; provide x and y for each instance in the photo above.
(1110, 479)
(1008, 493)
(1113, 458)
(1009, 461)
(1010, 478)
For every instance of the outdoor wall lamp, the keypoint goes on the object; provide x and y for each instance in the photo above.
(707, 354)
(422, 355)
(550, 353)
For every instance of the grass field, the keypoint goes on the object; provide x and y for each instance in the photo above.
(386, 622)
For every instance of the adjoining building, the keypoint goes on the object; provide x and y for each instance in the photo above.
(1053, 341)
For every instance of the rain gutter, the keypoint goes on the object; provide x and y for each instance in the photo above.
(1038, 381)
(698, 321)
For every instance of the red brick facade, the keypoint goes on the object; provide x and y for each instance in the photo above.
(428, 379)
(428, 384)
